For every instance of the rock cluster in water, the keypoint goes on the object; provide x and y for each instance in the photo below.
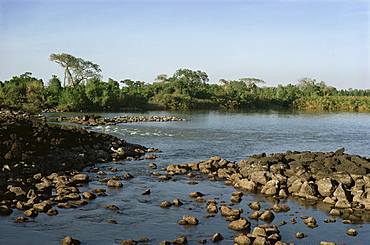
(37, 159)
(94, 120)
(35, 177)
(340, 180)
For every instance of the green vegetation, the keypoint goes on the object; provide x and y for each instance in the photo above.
(84, 90)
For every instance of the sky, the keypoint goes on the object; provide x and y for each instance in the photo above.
(278, 41)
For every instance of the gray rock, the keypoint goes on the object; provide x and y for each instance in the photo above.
(212, 208)
(70, 241)
(255, 215)
(165, 204)
(267, 216)
(242, 239)
(255, 205)
(217, 237)
(246, 185)
(226, 211)
(83, 178)
(326, 187)
(308, 190)
(31, 213)
(259, 231)
(42, 207)
(241, 224)
(271, 187)
(352, 232)
(190, 220)
(88, 195)
(114, 183)
(180, 240)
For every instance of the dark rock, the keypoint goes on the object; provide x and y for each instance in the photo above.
(42, 207)
(226, 211)
(242, 239)
(70, 241)
(190, 220)
(165, 204)
(66, 205)
(352, 232)
(52, 212)
(281, 208)
(146, 192)
(326, 186)
(196, 194)
(129, 242)
(255, 205)
(255, 215)
(267, 216)
(21, 220)
(180, 240)
(217, 237)
(114, 183)
(88, 195)
(212, 208)
(246, 185)
(111, 206)
(31, 213)
(176, 202)
(300, 235)
(241, 224)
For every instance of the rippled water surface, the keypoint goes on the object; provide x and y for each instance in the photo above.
(233, 135)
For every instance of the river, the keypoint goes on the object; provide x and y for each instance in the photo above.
(233, 135)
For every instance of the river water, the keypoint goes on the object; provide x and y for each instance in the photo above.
(233, 135)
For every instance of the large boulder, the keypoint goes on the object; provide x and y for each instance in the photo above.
(271, 187)
(326, 186)
(246, 185)
(241, 224)
(308, 190)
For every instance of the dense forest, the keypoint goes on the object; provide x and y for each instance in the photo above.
(84, 90)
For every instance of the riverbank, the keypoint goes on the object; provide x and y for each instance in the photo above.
(131, 204)
(37, 157)
(95, 120)
(340, 180)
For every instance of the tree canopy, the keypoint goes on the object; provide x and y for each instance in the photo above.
(76, 70)
(84, 90)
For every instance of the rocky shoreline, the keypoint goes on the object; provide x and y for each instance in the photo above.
(340, 180)
(95, 120)
(41, 164)
(38, 159)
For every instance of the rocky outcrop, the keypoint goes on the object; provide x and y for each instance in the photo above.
(94, 120)
(38, 158)
(29, 147)
(336, 178)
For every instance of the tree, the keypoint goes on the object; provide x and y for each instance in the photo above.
(189, 82)
(53, 91)
(76, 70)
(309, 86)
(24, 92)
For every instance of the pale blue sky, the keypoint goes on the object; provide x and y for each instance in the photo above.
(277, 41)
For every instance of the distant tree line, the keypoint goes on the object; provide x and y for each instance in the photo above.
(84, 90)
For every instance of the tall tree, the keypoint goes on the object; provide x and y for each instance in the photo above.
(76, 70)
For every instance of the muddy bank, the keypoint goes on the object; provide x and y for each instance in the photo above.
(338, 180)
(94, 120)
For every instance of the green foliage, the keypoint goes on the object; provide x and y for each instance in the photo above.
(76, 70)
(185, 89)
(347, 103)
(23, 92)
(53, 92)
